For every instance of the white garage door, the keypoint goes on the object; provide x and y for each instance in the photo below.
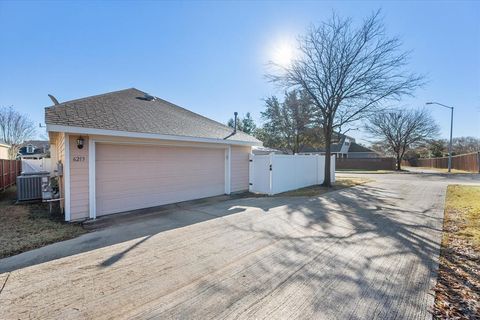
(132, 177)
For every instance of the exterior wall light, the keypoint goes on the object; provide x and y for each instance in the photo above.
(80, 143)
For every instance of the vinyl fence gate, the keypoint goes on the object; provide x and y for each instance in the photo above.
(275, 173)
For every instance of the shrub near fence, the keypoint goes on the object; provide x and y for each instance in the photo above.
(366, 164)
(9, 170)
(466, 162)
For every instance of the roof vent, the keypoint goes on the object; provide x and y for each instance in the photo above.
(146, 97)
(54, 100)
(149, 97)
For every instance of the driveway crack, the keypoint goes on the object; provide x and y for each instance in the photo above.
(4, 283)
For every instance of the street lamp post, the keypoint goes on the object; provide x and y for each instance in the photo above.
(451, 130)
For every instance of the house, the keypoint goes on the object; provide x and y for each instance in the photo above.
(357, 151)
(4, 149)
(34, 149)
(346, 147)
(127, 150)
(261, 150)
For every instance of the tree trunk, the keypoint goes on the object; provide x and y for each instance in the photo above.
(327, 182)
(399, 163)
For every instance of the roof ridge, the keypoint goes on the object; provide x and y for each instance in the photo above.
(94, 96)
(197, 114)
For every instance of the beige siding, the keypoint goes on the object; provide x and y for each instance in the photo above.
(130, 176)
(239, 169)
(140, 173)
(57, 142)
(4, 152)
(79, 205)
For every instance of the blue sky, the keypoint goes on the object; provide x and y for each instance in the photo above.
(211, 57)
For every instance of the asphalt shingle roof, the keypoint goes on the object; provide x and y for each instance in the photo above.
(127, 110)
(355, 147)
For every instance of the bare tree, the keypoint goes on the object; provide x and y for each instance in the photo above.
(15, 128)
(402, 129)
(463, 145)
(347, 73)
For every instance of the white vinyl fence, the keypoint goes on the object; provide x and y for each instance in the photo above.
(275, 173)
(36, 165)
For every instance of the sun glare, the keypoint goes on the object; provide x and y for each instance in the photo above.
(283, 53)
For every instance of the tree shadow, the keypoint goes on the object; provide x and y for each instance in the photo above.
(132, 226)
(116, 257)
(365, 251)
(349, 253)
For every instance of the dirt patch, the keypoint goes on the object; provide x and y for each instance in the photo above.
(27, 226)
(458, 285)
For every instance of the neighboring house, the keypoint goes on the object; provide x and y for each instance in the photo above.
(260, 150)
(357, 151)
(127, 150)
(345, 148)
(4, 148)
(34, 149)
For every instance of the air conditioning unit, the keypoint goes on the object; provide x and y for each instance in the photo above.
(29, 186)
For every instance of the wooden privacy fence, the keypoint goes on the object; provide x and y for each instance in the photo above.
(9, 170)
(366, 164)
(466, 162)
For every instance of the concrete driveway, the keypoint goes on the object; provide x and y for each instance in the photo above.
(364, 252)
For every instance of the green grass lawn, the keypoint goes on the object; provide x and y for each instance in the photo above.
(27, 226)
(458, 286)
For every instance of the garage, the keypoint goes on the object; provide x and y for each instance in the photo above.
(128, 150)
(130, 177)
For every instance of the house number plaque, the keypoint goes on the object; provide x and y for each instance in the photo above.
(78, 159)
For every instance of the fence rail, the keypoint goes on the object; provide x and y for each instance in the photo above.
(466, 162)
(9, 170)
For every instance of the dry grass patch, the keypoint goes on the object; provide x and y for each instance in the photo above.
(313, 191)
(362, 171)
(27, 226)
(458, 286)
(440, 170)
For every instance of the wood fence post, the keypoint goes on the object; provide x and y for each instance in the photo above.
(10, 182)
(478, 161)
(3, 175)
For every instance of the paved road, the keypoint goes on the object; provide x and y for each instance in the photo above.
(360, 253)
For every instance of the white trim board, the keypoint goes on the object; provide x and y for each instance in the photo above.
(228, 170)
(66, 176)
(117, 133)
(92, 200)
(160, 143)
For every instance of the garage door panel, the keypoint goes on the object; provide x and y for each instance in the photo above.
(131, 177)
(112, 189)
(154, 174)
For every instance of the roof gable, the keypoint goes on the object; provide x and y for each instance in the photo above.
(355, 147)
